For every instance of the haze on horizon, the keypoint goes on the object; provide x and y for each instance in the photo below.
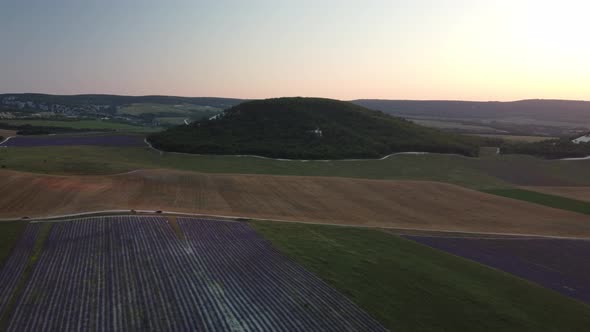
(344, 49)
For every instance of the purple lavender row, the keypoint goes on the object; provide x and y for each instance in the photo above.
(290, 297)
(560, 265)
(103, 140)
(133, 273)
(16, 263)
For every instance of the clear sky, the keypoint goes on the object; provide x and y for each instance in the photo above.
(345, 49)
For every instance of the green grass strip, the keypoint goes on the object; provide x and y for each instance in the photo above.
(553, 201)
(410, 287)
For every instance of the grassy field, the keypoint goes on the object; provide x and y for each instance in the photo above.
(9, 235)
(490, 173)
(181, 109)
(104, 160)
(409, 287)
(517, 138)
(554, 201)
(82, 124)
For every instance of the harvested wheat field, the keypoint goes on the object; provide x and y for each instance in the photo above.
(404, 204)
(579, 193)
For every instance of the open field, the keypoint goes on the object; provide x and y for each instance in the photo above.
(560, 265)
(81, 124)
(575, 193)
(411, 287)
(7, 133)
(10, 232)
(135, 273)
(180, 109)
(497, 172)
(68, 140)
(551, 198)
(456, 126)
(403, 204)
(515, 138)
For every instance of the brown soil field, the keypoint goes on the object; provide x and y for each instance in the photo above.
(7, 133)
(579, 193)
(402, 204)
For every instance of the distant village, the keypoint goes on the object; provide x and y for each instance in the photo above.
(13, 108)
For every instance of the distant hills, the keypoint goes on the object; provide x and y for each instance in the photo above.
(111, 100)
(308, 128)
(548, 110)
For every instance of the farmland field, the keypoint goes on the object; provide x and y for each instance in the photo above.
(497, 172)
(560, 265)
(136, 273)
(411, 287)
(66, 140)
(539, 197)
(7, 133)
(80, 124)
(402, 204)
(575, 193)
(517, 138)
(180, 109)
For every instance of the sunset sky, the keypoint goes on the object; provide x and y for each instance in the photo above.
(344, 49)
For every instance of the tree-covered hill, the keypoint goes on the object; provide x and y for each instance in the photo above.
(308, 128)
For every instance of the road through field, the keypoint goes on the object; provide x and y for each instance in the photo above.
(404, 204)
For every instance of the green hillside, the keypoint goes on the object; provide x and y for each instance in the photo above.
(308, 128)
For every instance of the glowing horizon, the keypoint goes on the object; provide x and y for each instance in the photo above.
(425, 49)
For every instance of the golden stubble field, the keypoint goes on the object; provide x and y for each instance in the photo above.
(403, 204)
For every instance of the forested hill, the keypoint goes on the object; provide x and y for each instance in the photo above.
(308, 128)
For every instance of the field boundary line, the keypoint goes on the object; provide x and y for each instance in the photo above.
(90, 214)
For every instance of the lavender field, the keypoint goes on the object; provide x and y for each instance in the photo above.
(137, 273)
(15, 265)
(560, 265)
(65, 140)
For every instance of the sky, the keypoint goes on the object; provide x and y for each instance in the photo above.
(343, 49)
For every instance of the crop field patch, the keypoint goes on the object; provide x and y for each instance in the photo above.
(135, 273)
(15, 265)
(73, 140)
(560, 265)
(398, 204)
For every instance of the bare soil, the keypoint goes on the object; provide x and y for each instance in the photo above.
(401, 204)
(7, 133)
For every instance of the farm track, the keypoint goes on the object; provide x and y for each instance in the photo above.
(134, 273)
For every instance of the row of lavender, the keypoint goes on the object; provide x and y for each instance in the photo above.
(133, 273)
(13, 269)
(560, 265)
(65, 140)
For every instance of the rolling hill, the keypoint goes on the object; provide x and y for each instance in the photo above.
(547, 110)
(308, 128)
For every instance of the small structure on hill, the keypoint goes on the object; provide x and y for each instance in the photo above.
(582, 139)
